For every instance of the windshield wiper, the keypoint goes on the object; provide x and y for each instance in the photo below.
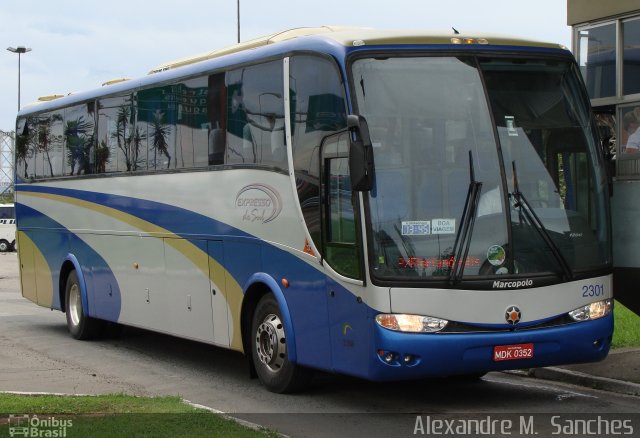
(525, 208)
(463, 237)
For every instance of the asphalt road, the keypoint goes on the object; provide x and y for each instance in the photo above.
(38, 355)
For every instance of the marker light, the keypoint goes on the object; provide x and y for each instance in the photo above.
(411, 323)
(592, 311)
(457, 40)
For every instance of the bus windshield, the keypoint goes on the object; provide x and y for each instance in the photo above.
(519, 131)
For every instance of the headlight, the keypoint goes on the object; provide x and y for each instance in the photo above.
(411, 323)
(592, 311)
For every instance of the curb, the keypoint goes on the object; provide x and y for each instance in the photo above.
(587, 380)
(240, 421)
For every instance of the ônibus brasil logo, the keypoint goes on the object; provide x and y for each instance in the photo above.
(261, 203)
(31, 426)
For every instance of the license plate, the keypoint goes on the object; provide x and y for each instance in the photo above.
(512, 352)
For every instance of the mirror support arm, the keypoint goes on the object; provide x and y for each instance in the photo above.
(360, 153)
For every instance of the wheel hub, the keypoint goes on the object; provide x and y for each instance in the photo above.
(270, 342)
(75, 304)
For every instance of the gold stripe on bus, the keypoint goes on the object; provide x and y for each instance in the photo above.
(35, 273)
(231, 290)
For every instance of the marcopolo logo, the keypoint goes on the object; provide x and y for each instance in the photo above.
(512, 284)
(260, 203)
(513, 315)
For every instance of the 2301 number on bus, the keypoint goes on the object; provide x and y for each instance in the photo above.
(512, 352)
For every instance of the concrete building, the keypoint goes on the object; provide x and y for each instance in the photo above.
(606, 43)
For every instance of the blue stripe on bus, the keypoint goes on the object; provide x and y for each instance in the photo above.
(183, 223)
(307, 291)
(55, 242)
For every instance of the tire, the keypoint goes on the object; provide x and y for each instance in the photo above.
(4, 246)
(269, 351)
(80, 325)
(13, 246)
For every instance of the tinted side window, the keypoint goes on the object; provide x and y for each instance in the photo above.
(7, 212)
(217, 118)
(23, 152)
(255, 115)
(116, 133)
(192, 127)
(318, 109)
(46, 145)
(79, 140)
(156, 113)
(340, 237)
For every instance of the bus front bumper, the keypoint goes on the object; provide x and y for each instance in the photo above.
(400, 356)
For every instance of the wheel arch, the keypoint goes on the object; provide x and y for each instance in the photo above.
(259, 285)
(71, 264)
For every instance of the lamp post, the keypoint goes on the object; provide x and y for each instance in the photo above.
(19, 50)
(238, 3)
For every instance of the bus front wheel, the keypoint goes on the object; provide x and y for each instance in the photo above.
(4, 246)
(79, 324)
(269, 350)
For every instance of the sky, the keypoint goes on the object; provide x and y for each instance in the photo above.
(78, 45)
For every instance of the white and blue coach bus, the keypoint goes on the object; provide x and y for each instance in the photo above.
(388, 205)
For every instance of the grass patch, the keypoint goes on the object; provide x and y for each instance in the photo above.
(116, 415)
(627, 327)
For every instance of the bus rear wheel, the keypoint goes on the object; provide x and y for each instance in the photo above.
(269, 351)
(4, 246)
(79, 324)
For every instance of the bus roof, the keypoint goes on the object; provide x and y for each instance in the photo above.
(358, 36)
(304, 38)
(247, 45)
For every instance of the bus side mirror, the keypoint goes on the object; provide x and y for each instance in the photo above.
(606, 135)
(360, 154)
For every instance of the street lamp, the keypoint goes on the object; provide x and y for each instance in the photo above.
(238, 2)
(19, 50)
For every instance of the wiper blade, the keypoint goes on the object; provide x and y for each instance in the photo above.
(525, 208)
(463, 237)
